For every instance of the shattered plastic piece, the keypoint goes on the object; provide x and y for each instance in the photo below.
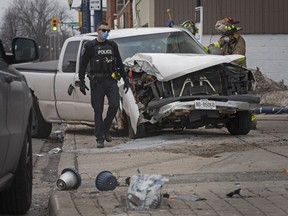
(127, 181)
(134, 199)
(187, 198)
(54, 151)
(144, 191)
(235, 192)
(39, 155)
(59, 134)
(166, 195)
(237, 184)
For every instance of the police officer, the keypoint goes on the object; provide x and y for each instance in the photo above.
(105, 63)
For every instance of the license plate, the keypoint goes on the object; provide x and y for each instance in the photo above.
(205, 104)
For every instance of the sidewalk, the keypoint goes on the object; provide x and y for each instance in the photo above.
(263, 191)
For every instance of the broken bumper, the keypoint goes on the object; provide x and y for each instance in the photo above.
(184, 105)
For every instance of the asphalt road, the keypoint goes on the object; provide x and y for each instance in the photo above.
(45, 170)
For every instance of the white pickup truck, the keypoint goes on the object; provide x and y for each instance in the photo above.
(175, 84)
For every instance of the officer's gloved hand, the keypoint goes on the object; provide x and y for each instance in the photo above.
(83, 87)
(126, 85)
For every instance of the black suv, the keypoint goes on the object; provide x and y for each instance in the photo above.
(15, 129)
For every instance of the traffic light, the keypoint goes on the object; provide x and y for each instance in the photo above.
(54, 24)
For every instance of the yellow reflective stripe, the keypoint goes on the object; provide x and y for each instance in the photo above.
(253, 117)
(216, 44)
(113, 75)
(206, 48)
(241, 59)
(236, 35)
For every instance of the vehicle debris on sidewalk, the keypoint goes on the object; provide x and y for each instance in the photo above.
(144, 191)
(106, 181)
(235, 192)
(183, 197)
(69, 179)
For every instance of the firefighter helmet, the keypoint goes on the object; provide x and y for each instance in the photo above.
(190, 25)
(229, 20)
(226, 29)
(226, 26)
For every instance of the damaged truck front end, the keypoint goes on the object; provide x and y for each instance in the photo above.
(188, 91)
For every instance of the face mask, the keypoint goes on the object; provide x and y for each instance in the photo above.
(104, 35)
(226, 39)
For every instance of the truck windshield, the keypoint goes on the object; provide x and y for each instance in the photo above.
(175, 42)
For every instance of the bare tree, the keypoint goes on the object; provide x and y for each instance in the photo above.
(32, 18)
(9, 30)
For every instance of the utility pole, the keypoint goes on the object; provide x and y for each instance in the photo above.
(85, 8)
(86, 17)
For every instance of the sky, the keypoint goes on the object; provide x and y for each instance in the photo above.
(5, 4)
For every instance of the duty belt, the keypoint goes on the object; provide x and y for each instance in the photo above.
(99, 75)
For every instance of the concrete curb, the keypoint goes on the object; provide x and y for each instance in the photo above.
(272, 117)
(61, 204)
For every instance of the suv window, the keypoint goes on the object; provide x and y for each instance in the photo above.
(70, 57)
(175, 42)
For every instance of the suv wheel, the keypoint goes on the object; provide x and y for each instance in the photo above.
(240, 124)
(17, 198)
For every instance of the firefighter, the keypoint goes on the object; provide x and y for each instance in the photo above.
(105, 64)
(190, 25)
(231, 42)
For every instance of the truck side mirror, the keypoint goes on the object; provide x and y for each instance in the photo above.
(24, 50)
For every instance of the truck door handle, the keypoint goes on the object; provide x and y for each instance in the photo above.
(70, 89)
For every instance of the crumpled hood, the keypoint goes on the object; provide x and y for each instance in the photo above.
(167, 66)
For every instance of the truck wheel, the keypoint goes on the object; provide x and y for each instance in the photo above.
(141, 130)
(240, 124)
(17, 198)
(40, 128)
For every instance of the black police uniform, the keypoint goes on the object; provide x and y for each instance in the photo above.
(104, 58)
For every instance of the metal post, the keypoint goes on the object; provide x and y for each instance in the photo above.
(86, 19)
(98, 16)
(50, 46)
(54, 46)
(59, 46)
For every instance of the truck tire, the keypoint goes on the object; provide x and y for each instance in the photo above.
(240, 124)
(141, 130)
(17, 198)
(40, 128)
